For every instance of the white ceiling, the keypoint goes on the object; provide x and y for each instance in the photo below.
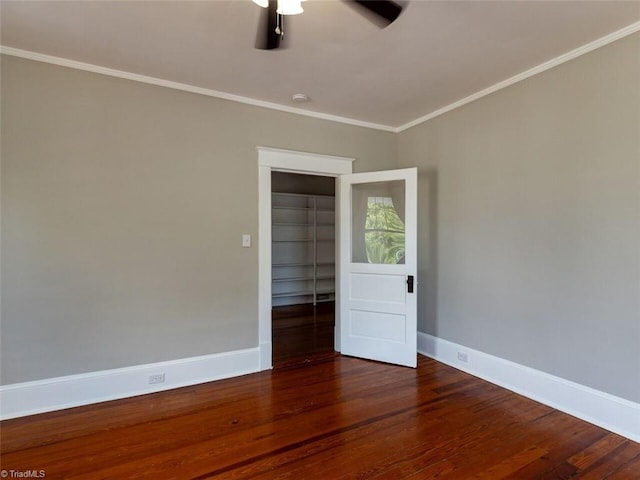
(435, 54)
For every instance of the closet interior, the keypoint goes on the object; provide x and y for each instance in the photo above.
(302, 267)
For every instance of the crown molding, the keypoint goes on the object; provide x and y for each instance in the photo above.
(65, 62)
(554, 62)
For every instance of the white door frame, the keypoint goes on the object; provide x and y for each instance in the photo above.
(273, 159)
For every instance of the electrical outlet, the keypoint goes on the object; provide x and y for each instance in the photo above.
(158, 378)
(463, 357)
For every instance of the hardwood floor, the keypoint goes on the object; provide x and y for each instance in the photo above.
(302, 333)
(337, 418)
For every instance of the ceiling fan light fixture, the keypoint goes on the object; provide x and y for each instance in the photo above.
(289, 7)
(271, 31)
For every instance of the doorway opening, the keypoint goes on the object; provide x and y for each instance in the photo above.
(270, 160)
(303, 267)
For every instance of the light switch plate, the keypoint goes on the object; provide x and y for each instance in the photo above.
(246, 240)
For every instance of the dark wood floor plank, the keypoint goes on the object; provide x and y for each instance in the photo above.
(335, 418)
(467, 447)
(596, 451)
(302, 333)
(511, 464)
(628, 470)
(554, 464)
(75, 422)
(322, 454)
(259, 441)
(612, 463)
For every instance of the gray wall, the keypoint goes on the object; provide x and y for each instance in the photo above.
(530, 221)
(123, 206)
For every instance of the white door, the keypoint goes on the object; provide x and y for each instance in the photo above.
(378, 265)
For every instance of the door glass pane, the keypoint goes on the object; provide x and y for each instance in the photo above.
(377, 222)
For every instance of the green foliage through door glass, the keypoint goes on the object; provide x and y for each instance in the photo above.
(384, 232)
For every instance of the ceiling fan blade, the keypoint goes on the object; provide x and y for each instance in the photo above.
(384, 11)
(267, 38)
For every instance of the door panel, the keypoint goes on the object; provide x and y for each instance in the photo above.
(378, 228)
(376, 287)
(376, 325)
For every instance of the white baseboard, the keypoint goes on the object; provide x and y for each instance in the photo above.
(605, 410)
(20, 399)
(266, 355)
(602, 409)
